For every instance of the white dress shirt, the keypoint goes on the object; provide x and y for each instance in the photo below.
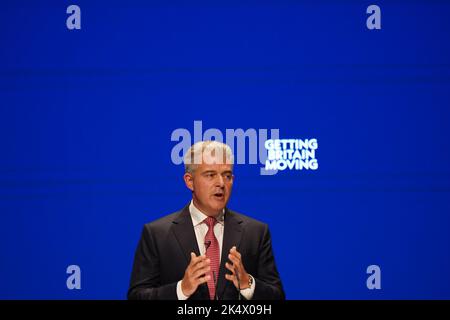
(201, 229)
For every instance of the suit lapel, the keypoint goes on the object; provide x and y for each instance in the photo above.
(231, 237)
(183, 230)
(185, 234)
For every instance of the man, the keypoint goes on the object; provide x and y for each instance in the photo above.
(206, 251)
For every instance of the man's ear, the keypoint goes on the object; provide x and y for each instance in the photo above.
(189, 181)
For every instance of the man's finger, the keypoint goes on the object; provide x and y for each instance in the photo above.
(234, 259)
(194, 258)
(200, 264)
(203, 279)
(229, 267)
(201, 272)
(236, 253)
(197, 260)
(230, 277)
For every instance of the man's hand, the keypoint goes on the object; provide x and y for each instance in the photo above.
(236, 267)
(195, 274)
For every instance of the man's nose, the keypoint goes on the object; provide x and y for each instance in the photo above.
(220, 181)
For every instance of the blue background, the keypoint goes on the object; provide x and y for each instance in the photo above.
(86, 118)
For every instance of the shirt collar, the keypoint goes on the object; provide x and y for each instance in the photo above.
(198, 217)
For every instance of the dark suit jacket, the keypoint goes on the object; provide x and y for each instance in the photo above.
(163, 254)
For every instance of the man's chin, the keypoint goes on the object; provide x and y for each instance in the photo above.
(218, 205)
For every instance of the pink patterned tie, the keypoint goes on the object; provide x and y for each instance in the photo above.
(213, 253)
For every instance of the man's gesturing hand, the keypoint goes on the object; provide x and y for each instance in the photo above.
(195, 274)
(237, 266)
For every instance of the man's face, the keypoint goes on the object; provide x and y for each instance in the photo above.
(211, 185)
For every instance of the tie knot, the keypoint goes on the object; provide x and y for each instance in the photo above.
(210, 221)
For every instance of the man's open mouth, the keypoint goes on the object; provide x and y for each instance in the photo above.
(219, 195)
